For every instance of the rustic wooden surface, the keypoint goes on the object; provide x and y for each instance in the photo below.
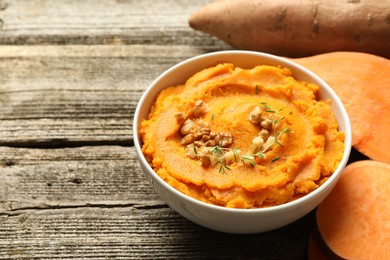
(71, 74)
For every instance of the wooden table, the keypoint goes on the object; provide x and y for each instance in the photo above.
(71, 74)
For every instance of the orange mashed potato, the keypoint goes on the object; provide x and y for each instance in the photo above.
(299, 148)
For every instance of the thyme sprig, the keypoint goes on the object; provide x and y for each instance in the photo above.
(218, 153)
(217, 157)
(250, 158)
(268, 108)
(223, 156)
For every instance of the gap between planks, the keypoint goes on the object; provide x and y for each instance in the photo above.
(147, 205)
(60, 143)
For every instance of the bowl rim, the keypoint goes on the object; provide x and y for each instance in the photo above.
(285, 63)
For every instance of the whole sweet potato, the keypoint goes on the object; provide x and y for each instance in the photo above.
(298, 28)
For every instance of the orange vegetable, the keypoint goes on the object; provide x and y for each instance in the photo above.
(222, 101)
(362, 81)
(298, 28)
(354, 220)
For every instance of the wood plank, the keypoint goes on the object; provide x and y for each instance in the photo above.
(71, 94)
(71, 177)
(76, 95)
(94, 202)
(100, 22)
(134, 233)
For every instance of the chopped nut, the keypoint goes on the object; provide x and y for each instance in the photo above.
(205, 131)
(198, 136)
(210, 143)
(187, 139)
(191, 151)
(252, 149)
(266, 123)
(205, 138)
(200, 108)
(199, 143)
(269, 143)
(187, 127)
(230, 157)
(255, 116)
(205, 160)
(258, 141)
(224, 139)
(202, 123)
(204, 156)
(205, 150)
(264, 134)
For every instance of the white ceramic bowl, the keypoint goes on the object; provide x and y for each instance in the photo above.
(230, 220)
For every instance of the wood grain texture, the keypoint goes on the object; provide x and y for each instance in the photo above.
(76, 95)
(94, 202)
(137, 233)
(72, 72)
(62, 22)
(71, 75)
(71, 177)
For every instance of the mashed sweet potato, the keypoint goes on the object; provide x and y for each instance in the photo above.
(242, 138)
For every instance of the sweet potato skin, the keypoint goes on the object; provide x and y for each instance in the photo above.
(298, 28)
